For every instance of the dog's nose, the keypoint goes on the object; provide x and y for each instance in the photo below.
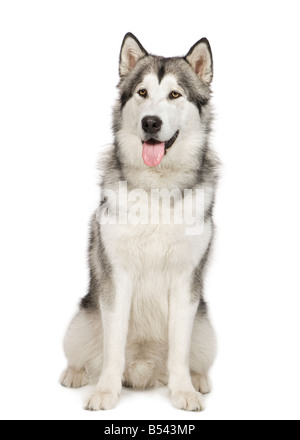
(151, 124)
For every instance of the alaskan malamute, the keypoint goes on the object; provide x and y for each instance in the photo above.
(144, 322)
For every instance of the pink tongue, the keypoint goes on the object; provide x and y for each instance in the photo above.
(153, 154)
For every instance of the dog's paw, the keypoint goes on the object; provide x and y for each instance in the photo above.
(72, 378)
(187, 401)
(201, 383)
(102, 401)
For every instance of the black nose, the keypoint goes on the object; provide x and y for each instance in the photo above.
(151, 124)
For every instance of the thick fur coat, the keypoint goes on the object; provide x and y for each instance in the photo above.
(144, 321)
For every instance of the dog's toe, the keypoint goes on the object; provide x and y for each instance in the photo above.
(72, 378)
(102, 401)
(201, 383)
(187, 401)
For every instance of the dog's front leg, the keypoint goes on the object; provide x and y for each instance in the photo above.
(115, 314)
(182, 312)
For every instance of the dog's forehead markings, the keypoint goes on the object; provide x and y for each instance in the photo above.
(150, 81)
(152, 84)
(169, 81)
(161, 73)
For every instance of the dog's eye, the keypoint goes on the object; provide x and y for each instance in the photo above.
(143, 93)
(175, 95)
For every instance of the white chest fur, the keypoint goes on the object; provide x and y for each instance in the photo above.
(153, 256)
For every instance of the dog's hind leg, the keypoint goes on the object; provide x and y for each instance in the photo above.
(83, 343)
(83, 349)
(203, 353)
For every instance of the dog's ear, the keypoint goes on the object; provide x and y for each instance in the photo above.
(131, 52)
(201, 60)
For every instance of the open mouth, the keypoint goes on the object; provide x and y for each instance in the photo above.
(154, 150)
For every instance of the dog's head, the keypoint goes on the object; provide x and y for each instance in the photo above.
(163, 115)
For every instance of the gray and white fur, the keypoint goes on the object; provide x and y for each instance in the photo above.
(144, 322)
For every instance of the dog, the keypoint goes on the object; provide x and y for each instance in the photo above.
(144, 322)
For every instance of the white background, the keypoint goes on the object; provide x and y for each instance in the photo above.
(59, 68)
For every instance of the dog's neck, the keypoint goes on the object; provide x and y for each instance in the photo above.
(147, 178)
